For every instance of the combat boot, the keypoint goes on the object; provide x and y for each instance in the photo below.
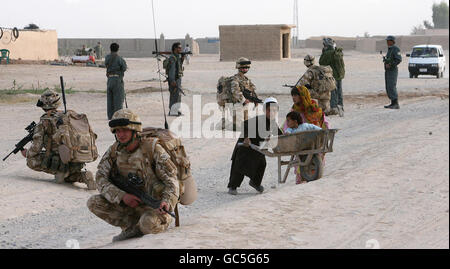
(389, 106)
(59, 177)
(395, 105)
(333, 111)
(340, 111)
(129, 233)
(88, 179)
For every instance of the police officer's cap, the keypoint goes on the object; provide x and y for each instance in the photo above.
(390, 38)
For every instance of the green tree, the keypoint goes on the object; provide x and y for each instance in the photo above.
(440, 15)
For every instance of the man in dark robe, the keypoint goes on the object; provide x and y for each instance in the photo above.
(246, 161)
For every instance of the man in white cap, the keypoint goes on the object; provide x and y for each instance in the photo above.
(246, 161)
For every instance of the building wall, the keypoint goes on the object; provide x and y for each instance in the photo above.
(406, 43)
(256, 42)
(34, 45)
(130, 48)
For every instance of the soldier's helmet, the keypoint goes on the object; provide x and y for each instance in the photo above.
(49, 100)
(309, 60)
(243, 63)
(390, 38)
(125, 119)
(328, 42)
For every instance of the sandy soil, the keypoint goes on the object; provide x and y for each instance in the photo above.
(387, 179)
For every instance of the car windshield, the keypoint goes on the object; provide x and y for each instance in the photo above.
(424, 52)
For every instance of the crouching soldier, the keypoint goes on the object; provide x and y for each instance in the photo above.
(43, 154)
(130, 154)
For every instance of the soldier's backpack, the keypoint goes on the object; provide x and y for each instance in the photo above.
(75, 138)
(224, 94)
(323, 79)
(173, 145)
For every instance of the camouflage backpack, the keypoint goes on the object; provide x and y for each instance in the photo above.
(75, 138)
(224, 94)
(174, 147)
(323, 79)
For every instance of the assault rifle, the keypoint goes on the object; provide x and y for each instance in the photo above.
(132, 185)
(169, 52)
(19, 146)
(248, 95)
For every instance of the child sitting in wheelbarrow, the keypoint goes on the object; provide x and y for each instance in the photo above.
(295, 124)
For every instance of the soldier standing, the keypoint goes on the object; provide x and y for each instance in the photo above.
(333, 57)
(128, 155)
(175, 73)
(308, 80)
(241, 85)
(99, 51)
(48, 160)
(115, 69)
(391, 61)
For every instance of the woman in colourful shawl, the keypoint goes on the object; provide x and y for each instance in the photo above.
(310, 112)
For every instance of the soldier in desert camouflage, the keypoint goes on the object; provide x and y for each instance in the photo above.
(308, 80)
(125, 156)
(239, 83)
(43, 155)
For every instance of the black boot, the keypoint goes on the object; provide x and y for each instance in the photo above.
(395, 105)
(389, 106)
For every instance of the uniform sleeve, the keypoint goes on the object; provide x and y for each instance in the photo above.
(38, 140)
(123, 65)
(396, 57)
(306, 79)
(172, 70)
(104, 186)
(166, 171)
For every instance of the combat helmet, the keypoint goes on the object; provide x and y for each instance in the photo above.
(49, 100)
(126, 119)
(309, 60)
(243, 63)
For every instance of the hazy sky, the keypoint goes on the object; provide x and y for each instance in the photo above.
(201, 18)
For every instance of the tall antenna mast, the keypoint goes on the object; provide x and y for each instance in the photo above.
(296, 30)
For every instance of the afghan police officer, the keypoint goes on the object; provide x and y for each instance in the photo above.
(43, 155)
(175, 73)
(115, 69)
(242, 88)
(129, 155)
(308, 80)
(391, 62)
(334, 57)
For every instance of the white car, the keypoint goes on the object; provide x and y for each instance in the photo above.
(426, 60)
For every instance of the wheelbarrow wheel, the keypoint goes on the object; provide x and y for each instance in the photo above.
(314, 170)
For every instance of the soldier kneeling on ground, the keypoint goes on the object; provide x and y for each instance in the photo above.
(49, 160)
(130, 155)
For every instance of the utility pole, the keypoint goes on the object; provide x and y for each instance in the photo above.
(296, 30)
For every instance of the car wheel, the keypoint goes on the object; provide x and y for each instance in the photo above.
(438, 75)
(411, 75)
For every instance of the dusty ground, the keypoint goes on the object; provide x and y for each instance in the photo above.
(387, 179)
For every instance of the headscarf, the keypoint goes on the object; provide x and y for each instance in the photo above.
(309, 108)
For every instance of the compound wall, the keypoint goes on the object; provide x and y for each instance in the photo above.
(256, 42)
(34, 45)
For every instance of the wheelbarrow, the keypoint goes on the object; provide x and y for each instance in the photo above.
(305, 149)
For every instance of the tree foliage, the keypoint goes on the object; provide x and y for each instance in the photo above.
(440, 15)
